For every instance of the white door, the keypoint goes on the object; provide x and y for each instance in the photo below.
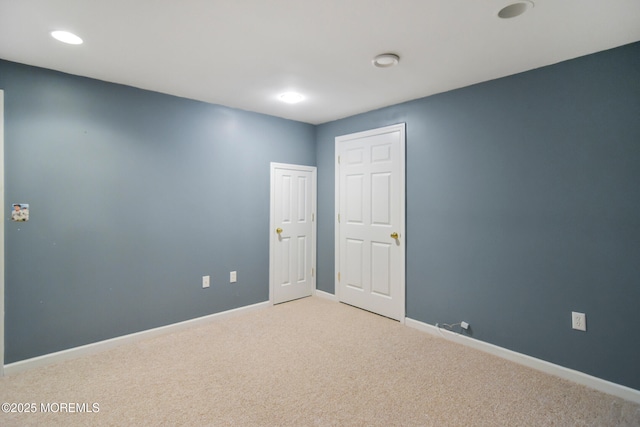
(292, 242)
(370, 220)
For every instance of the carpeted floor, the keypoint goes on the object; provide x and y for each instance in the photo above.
(310, 362)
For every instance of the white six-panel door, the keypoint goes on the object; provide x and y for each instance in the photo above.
(370, 223)
(292, 252)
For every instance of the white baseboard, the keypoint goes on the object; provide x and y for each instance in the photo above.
(596, 383)
(325, 295)
(84, 350)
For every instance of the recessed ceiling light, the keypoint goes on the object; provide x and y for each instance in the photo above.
(291, 97)
(515, 9)
(66, 37)
(385, 60)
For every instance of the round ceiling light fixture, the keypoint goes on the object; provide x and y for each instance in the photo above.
(291, 97)
(385, 60)
(515, 9)
(66, 37)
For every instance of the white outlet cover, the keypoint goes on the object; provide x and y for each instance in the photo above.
(579, 321)
(206, 281)
(233, 277)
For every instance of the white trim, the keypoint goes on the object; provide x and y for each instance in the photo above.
(100, 346)
(326, 295)
(272, 225)
(399, 127)
(2, 232)
(595, 383)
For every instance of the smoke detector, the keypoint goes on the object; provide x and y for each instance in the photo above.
(385, 60)
(515, 9)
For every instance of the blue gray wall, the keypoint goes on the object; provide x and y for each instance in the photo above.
(523, 204)
(133, 196)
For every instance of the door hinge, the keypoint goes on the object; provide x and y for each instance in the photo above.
(338, 218)
(338, 159)
(312, 272)
(313, 217)
(338, 276)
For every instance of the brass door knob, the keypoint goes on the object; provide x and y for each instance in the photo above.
(394, 235)
(278, 230)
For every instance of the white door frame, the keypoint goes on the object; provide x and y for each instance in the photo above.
(401, 127)
(272, 225)
(2, 232)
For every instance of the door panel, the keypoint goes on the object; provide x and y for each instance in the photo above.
(303, 209)
(380, 271)
(354, 257)
(370, 227)
(354, 200)
(381, 198)
(285, 258)
(292, 242)
(302, 259)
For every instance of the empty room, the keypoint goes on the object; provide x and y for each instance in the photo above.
(336, 213)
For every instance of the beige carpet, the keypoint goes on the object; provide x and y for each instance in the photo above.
(310, 362)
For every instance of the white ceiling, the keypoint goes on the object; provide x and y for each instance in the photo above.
(243, 53)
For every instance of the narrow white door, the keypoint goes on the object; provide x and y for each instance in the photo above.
(370, 228)
(292, 232)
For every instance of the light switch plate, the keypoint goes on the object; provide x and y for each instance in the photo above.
(233, 277)
(206, 281)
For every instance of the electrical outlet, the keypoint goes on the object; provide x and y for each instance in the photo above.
(579, 321)
(233, 277)
(464, 325)
(206, 281)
